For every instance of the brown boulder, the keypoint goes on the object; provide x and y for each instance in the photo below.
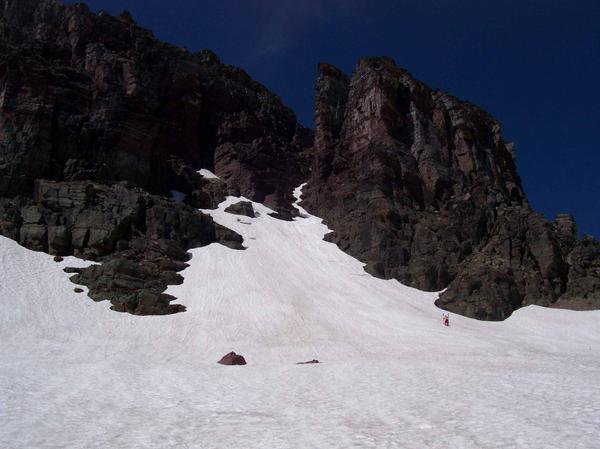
(232, 359)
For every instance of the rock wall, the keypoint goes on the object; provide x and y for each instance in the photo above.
(96, 97)
(422, 187)
(100, 121)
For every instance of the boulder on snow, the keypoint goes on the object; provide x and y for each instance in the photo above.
(78, 290)
(309, 362)
(241, 208)
(232, 359)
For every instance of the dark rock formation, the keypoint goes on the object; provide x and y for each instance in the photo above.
(422, 187)
(95, 97)
(286, 215)
(208, 196)
(241, 208)
(141, 239)
(99, 122)
(583, 281)
(310, 362)
(232, 359)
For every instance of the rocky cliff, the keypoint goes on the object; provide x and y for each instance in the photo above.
(95, 97)
(422, 187)
(100, 121)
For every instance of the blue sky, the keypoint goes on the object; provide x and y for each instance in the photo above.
(535, 65)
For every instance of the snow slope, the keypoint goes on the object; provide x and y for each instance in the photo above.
(75, 374)
(206, 173)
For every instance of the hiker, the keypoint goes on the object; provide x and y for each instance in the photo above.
(446, 319)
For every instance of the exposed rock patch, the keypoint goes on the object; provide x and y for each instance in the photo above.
(141, 239)
(241, 208)
(232, 359)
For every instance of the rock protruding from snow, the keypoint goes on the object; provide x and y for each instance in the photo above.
(141, 239)
(310, 362)
(241, 208)
(232, 359)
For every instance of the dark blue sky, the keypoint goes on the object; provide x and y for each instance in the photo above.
(533, 64)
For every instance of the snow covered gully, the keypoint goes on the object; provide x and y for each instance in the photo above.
(75, 374)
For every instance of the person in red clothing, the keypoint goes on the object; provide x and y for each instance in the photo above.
(446, 319)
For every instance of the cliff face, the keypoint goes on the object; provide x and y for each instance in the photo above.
(95, 97)
(99, 121)
(422, 188)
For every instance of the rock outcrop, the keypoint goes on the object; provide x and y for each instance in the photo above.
(422, 187)
(241, 208)
(232, 359)
(100, 122)
(141, 239)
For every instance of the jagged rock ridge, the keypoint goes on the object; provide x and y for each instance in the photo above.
(422, 187)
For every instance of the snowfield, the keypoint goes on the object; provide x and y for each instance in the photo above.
(75, 374)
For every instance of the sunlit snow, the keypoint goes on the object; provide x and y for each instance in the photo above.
(75, 374)
(206, 173)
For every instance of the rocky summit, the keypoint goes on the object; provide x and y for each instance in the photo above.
(104, 129)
